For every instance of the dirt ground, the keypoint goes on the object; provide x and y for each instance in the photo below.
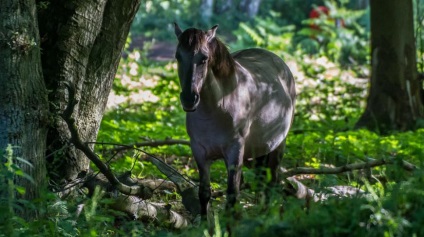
(157, 51)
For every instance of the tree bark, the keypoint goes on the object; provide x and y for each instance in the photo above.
(44, 45)
(23, 100)
(394, 97)
(82, 44)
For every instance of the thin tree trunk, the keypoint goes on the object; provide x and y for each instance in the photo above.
(206, 10)
(250, 7)
(394, 98)
(223, 6)
(82, 44)
(23, 96)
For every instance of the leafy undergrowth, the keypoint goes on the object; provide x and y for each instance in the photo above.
(329, 102)
(145, 107)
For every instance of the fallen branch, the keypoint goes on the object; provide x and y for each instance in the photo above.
(93, 180)
(136, 207)
(187, 189)
(136, 190)
(346, 168)
(405, 164)
(166, 142)
(143, 210)
(301, 191)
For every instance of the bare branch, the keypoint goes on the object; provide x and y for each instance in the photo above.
(187, 189)
(166, 142)
(346, 168)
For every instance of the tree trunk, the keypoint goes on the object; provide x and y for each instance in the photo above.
(394, 98)
(250, 7)
(206, 10)
(23, 95)
(82, 44)
(223, 6)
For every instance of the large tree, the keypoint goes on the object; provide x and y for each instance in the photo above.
(43, 46)
(394, 98)
(23, 95)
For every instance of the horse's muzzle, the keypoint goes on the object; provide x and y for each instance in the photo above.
(190, 101)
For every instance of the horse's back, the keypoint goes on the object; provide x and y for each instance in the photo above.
(266, 66)
(273, 97)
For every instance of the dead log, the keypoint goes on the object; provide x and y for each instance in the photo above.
(146, 211)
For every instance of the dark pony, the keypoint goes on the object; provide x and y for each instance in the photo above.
(239, 107)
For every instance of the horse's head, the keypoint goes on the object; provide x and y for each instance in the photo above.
(193, 57)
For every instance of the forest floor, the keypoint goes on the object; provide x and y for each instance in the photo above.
(156, 50)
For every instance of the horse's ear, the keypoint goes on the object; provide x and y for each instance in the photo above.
(211, 33)
(177, 30)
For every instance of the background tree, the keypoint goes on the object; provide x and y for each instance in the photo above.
(250, 7)
(394, 98)
(70, 41)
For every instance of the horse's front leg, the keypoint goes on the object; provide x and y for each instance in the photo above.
(203, 165)
(234, 162)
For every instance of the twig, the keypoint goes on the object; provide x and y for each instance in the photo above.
(405, 164)
(346, 168)
(173, 175)
(137, 190)
(166, 142)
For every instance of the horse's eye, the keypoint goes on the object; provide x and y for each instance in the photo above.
(203, 60)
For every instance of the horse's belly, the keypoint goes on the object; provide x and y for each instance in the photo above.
(262, 144)
(268, 131)
(259, 133)
(209, 137)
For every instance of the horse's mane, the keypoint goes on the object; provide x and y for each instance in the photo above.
(220, 59)
(222, 63)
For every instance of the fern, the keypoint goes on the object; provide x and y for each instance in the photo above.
(259, 41)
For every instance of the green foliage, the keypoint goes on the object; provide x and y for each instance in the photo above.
(79, 216)
(293, 12)
(338, 36)
(151, 111)
(419, 34)
(328, 64)
(329, 102)
(265, 33)
(154, 17)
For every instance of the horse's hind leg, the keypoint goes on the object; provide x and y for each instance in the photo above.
(274, 159)
(271, 161)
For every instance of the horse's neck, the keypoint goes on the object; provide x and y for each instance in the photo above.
(220, 80)
(222, 64)
(215, 89)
